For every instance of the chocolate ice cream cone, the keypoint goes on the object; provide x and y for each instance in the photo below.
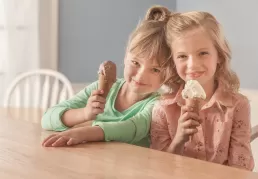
(104, 85)
(107, 76)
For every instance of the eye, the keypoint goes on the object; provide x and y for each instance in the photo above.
(155, 70)
(181, 57)
(135, 63)
(203, 53)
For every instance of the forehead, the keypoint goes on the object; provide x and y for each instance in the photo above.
(144, 59)
(192, 40)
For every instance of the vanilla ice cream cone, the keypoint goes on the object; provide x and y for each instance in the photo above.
(194, 103)
(193, 93)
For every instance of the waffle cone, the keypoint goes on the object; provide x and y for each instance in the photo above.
(194, 103)
(104, 85)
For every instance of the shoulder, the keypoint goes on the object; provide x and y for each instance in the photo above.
(240, 101)
(166, 104)
(118, 84)
(241, 108)
(92, 86)
(168, 100)
(120, 80)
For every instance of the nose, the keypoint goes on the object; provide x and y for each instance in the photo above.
(141, 74)
(192, 62)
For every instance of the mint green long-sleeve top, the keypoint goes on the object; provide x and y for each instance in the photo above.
(131, 125)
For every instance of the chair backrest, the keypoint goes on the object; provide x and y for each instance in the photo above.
(254, 133)
(2, 82)
(40, 88)
(252, 95)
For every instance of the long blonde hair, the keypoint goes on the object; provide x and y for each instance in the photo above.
(148, 40)
(179, 23)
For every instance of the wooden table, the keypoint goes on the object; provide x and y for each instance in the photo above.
(23, 157)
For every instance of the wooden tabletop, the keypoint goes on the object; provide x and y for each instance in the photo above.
(23, 157)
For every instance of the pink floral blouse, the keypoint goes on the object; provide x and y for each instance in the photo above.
(223, 136)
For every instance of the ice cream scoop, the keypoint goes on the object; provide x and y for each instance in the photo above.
(193, 93)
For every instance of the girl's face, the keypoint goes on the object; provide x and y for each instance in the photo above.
(195, 57)
(144, 76)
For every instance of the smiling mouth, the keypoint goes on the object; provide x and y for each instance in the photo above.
(139, 83)
(194, 74)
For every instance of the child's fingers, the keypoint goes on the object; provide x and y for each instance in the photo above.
(97, 92)
(190, 131)
(189, 115)
(98, 105)
(185, 109)
(46, 139)
(50, 141)
(98, 98)
(60, 142)
(72, 141)
(97, 111)
(190, 124)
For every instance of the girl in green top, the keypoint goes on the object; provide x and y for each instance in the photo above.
(125, 114)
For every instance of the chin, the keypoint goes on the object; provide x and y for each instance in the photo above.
(140, 91)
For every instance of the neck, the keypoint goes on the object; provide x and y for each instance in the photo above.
(132, 97)
(209, 89)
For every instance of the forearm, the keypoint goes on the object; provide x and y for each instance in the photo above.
(73, 117)
(123, 131)
(176, 147)
(87, 123)
(93, 134)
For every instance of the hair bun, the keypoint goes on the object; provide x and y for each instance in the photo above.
(157, 13)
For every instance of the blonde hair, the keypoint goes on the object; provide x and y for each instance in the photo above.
(179, 23)
(148, 40)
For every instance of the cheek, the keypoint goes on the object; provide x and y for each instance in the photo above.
(180, 68)
(129, 70)
(212, 66)
(126, 72)
(156, 81)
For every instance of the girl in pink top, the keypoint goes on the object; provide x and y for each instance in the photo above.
(220, 132)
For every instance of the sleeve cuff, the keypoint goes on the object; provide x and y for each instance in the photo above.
(54, 122)
(116, 131)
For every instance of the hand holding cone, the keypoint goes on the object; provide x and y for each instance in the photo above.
(107, 77)
(193, 94)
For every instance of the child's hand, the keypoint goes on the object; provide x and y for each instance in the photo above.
(95, 105)
(66, 138)
(187, 125)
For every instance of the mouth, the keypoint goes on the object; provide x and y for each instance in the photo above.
(194, 75)
(138, 83)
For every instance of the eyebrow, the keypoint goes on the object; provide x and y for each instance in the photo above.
(137, 59)
(156, 67)
(200, 49)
